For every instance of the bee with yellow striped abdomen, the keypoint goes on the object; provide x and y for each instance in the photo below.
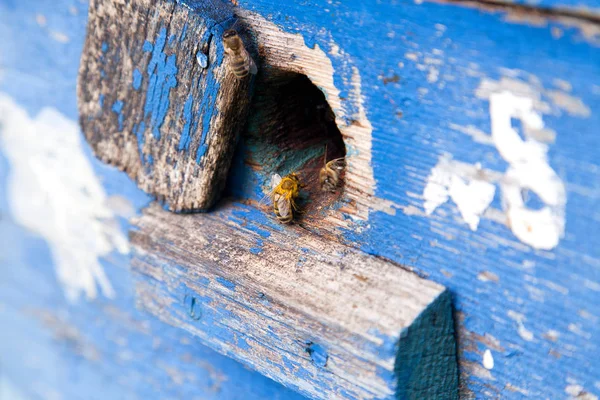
(284, 194)
(329, 176)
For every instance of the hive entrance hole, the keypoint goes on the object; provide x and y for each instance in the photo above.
(290, 127)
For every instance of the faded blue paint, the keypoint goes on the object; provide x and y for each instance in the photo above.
(410, 132)
(104, 47)
(258, 249)
(162, 77)
(43, 74)
(184, 140)
(183, 32)
(118, 108)
(139, 134)
(101, 100)
(228, 284)
(317, 354)
(148, 46)
(137, 79)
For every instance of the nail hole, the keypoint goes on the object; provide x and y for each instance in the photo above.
(193, 306)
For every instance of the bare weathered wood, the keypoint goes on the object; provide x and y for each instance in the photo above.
(149, 107)
(325, 319)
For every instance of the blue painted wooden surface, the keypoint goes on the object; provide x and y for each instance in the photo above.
(534, 310)
(93, 349)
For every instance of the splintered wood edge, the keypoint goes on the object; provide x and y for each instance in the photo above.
(316, 316)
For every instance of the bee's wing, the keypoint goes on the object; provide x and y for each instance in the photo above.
(253, 69)
(338, 163)
(275, 180)
(283, 205)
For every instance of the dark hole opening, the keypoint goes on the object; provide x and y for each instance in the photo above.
(290, 127)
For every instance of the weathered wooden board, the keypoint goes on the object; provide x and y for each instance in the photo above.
(149, 107)
(317, 316)
(432, 96)
(526, 321)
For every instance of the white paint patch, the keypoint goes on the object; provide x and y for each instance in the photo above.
(521, 330)
(59, 37)
(53, 191)
(488, 359)
(577, 392)
(472, 198)
(449, 181)
(528, 171)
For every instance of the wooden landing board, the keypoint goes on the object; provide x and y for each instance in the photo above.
(149, 107)
(312, 314)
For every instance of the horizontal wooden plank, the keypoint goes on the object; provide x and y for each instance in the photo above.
(312, 314)
(149, 107)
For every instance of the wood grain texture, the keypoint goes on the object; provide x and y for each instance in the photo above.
(149, 108)
(420, 65)
(312, 314)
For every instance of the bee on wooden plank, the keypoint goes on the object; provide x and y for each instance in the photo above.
(240, 62)
(329, 175)
(284, 194)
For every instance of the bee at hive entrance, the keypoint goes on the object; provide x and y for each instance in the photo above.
(291, 129)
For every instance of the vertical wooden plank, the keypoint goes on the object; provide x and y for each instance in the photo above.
(157, 100)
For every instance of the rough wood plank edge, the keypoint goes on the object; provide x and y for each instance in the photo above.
(316, 316)
(148, 107)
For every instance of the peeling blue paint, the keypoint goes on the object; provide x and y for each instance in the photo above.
(317, 354)
(148, 46)
(184, 140)
(162, 77)
(137, 79)
(118, 108)
(104, 47)
(255, 250)
(183, 32)
(139, 134)
(228, 284)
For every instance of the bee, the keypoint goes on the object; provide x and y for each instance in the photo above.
(240, 61)
(329, 176)
(284, 194)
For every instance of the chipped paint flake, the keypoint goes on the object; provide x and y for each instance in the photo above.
(576, 391)
(529, 169)
(472, 188)
(53, 191)
(472, 196)
(521, 329)
(488, 359)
